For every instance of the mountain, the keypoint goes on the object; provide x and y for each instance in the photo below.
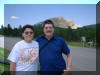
(62, 23)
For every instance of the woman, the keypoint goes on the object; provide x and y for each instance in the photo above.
(24, 55)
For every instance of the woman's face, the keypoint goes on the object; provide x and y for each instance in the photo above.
(28, 34)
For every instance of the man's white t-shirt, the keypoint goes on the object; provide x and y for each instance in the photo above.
(25, 55)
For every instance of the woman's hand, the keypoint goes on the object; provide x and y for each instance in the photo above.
(12, 68)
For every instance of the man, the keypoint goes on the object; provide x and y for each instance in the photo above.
(51, 49)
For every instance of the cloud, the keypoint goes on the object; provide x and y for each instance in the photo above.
(14, 17)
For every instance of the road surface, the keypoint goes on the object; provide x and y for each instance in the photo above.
(2, 42)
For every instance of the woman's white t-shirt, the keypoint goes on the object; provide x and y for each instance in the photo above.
(25, 55)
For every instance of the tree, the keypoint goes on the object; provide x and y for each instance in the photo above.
(19, 30)
(2, 30)
(9, 30)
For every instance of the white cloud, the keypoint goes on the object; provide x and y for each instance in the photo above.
(14, 17)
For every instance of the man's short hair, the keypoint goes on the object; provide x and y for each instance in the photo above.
(48, 22)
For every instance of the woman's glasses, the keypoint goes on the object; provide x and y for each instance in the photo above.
(26, 33)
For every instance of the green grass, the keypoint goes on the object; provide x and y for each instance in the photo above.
(3, 57)
(79, 44)
(1, 35)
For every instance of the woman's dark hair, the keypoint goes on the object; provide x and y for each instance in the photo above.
(48, 22)
(27, 26)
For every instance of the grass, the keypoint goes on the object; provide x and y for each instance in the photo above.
(79, 44)
(1, 35)
(3, 57)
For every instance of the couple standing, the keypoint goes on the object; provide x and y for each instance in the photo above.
(47, 50)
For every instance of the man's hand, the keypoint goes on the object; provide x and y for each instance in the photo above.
(66, 71)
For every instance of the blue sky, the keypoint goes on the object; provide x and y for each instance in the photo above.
(18, 14)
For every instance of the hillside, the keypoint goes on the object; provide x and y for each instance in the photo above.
(91, 26)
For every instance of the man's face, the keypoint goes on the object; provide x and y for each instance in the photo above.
(48, 30)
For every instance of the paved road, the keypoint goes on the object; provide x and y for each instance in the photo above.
(2, 42)
(83, 59)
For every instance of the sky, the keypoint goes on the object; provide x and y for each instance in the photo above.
(21, 12)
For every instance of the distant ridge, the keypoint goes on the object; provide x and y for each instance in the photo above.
(91, 26)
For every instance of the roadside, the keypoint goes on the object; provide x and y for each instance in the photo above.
(9, 42)
(1, 35)
(80, 44)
